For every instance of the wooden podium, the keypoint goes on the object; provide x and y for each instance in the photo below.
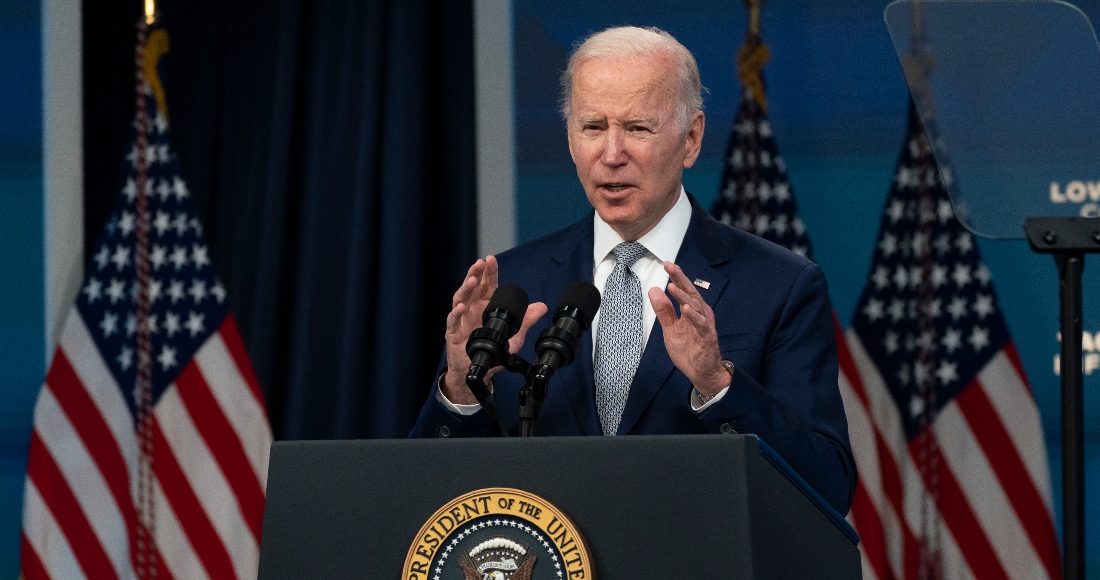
(691, 506)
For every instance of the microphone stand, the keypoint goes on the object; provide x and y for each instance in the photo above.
(531, 397)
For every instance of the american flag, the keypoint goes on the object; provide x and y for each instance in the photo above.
(953, 474)
(150, 445)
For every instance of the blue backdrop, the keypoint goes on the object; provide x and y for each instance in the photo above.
(21, 269)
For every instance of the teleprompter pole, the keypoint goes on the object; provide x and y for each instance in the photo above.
(1068, 240)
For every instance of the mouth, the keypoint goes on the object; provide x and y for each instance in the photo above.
(615, 187)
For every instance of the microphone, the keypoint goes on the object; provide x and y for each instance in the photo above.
(487, 346)
(557, 344)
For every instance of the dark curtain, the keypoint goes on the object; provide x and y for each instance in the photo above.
(329, 148)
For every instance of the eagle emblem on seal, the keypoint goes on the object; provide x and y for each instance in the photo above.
(497, 558)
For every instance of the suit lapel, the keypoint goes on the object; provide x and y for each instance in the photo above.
(699, 253)
(574, 258)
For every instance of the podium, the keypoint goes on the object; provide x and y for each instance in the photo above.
(691, 506)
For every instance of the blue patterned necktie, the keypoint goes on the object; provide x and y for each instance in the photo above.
(619, 337)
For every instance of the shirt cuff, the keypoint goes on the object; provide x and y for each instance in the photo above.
(699, 405)
(452, 407)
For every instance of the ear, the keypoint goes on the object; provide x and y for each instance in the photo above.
(693, 140)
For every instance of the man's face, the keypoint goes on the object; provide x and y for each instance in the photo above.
(626, 140)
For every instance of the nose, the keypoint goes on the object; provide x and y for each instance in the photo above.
(614, 148)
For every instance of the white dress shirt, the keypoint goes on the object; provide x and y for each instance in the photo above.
(662, 244)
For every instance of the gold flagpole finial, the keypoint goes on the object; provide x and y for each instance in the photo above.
(754, 16)
(753, 55)
(150, 11)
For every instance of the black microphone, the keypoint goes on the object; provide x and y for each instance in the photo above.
(557, 344)
(487, 346)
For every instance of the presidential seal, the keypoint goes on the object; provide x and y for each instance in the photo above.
(498, 534)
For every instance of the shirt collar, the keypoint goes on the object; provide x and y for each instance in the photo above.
(663, 241)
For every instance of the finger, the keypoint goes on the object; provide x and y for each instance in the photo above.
(677, 276)
(697, 319)
(474, 272)
(662, 307)
(465, 291)
(535, 311)
(454, 319)
(489, 276)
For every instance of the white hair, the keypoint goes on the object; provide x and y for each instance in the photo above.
(625, 42)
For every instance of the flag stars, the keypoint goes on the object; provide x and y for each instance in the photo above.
(952, 340)
(888, 245)
(927, 341)
(798, 226)
(916, 406)
(881, 277)
(979, 338)
(131, 324)
(947, 373)
(783, 192)
(890, 342)
(983, 275)
(175, 291)
(167, 357)
(764, 191)
(983, 305)
(897, 310)
(93, 290)
(179, 187)
(901, 277)
(102, 257)
(197, 226)
(180, 223)
(957, 308)
(916, 276)
(151, 324)
(161, 223)
(779, 224)
(155, 289)
(903, 374)
(109, 324)
(117, 290)
(126, 223)
(762, 223)
(199, 255)
(121, 257)
(171, 324)
(178, 257)
(922, 372)
(160, 122)
(874, 310)
(158, 256)
(125, 358)
(896, 211)
(939, 276)
(163, 190)
(944, 211)
(130, 190)
(218, 291)
(942, 244)
(197, 290)
(965, 243)
(195, 324)
(961, 275)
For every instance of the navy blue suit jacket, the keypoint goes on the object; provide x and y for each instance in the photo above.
(774, 321)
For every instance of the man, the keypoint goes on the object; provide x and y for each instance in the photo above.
(752, 349)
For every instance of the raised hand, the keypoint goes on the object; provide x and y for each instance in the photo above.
(467, 306)
(691, 338)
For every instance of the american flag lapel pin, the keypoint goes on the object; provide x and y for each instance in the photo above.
(702, 284)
